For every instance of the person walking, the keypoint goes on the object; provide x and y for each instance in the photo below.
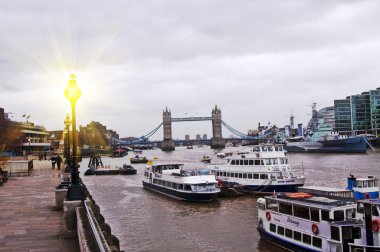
(53, 160)
(58, 160)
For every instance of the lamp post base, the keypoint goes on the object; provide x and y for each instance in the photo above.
(75, 192)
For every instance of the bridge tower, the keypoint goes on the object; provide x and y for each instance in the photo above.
(167, 143)
(217, 141)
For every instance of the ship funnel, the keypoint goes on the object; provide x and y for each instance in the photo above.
(300, 129)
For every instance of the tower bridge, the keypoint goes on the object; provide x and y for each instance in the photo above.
(217, 141)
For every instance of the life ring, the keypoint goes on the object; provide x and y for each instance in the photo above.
(315, 229)
(257, 155)
(367, 196)
(267, 215)
(375, 225)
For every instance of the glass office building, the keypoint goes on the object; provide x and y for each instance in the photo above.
(375, 110)
(361, 113)
(343, 115)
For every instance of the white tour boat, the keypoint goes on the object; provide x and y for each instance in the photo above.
(261, 168)
(173, 181)
(303, 222)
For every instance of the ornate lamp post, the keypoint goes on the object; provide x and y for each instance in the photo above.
(67, 123)
(75, 190)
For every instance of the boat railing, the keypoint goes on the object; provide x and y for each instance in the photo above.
(363, 248)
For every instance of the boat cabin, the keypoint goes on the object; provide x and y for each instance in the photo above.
(364, 188)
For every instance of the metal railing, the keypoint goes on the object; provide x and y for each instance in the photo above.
(94, 230)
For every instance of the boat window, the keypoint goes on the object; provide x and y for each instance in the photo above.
(240, 175)
(288, 233)
(374, 210)
(276, 148)
(274, 161)
(251, 162)
(317, 242)
(360, 208)
(244, 175)
(273, 175)
(325, 215)
(272, 205)
(224, 174)
(347, 233)
(306, 239)
(264, 148)
(233, 162)
(354, 183)
(314, 214)
(245, 162)
(370, 183)
(262, 162)
(267, 161)
(180, 186)
(360, 184)
(282, 161)
(270, 148)
(357, 233)
(187, 187)
(335, 235)
(232, 175)
(228, 174)
(376, 182)
(169, 184)
(250, 175)
(339, 215)
(154, 181)
(263, 176)
(272, 227)
(280, 230)
(257, 162)
(365, 183)
(255, 176)
(174, 185)
(302, 212)
(285, 208)
(297, 236)
(280, 148)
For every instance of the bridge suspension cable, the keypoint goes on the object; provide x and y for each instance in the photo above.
(141, 139)
(242, 135)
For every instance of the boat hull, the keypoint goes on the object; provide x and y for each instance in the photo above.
(345, 145)
(283, 243)
(179, 195)
(269, 188)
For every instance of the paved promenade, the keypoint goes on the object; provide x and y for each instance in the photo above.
(28, 218)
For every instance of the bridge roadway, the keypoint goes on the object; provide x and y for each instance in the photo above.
(191, 119)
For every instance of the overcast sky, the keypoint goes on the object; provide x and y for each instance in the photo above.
(259, 61)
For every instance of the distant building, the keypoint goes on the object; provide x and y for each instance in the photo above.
(96, 134)
(358, 114)
(198, 137)
(204, 136)
(327, 114)
(187, 137)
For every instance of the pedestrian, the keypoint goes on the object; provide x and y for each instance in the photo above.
(53, 160)
(58, 160)
(44, 155)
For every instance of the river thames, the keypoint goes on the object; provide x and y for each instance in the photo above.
(147, 221)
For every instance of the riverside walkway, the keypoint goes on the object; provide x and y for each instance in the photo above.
(29, 220)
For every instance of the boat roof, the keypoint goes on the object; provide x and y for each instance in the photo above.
(324, 189)
(313, 201)
(364, 179)
(167, 164)
(346, 223)
(370, 201)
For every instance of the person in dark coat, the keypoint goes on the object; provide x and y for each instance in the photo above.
(58, 160)
(53, 160)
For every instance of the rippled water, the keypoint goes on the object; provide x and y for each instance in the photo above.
(146, 221)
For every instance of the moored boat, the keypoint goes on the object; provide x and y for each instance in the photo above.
(206, 159)
(305, 222)
(171, 180)
(137, 159)
(259, 169)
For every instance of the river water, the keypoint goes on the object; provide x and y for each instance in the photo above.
(146, 221)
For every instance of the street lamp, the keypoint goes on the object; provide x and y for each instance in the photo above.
(67, 123)
(29, 138)
(75, 190)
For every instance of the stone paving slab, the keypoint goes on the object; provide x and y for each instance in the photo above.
(29, 220)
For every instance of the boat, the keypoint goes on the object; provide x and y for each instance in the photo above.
(206, 159)
(305, 222)
(171, 180)
(259, 169)
(137, 159)
(189, 147)
(107, 170)
(119, 152)
(325, 140)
